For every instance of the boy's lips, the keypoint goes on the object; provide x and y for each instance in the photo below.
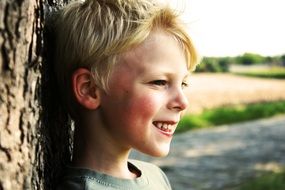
(166, 127)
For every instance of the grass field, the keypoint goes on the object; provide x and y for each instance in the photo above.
(208, 91)
(275, 181)
(275, 72)
(231, 114)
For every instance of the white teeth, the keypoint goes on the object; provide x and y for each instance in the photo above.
(163, 126)
(159, 125)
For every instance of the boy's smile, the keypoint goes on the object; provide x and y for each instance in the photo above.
(165, 127)
(145, 99)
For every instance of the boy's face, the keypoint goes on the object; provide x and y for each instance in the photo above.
(144, 104)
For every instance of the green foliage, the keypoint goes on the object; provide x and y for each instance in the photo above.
(188, 123)
(230, 114)
(282, 58)
(221, 64)
(224, 63)
(275, 181)
(212, 64)
(276, 60)
(277, 72)
(250, 58)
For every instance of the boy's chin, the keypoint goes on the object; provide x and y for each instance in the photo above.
(161, 152)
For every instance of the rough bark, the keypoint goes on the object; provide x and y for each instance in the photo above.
(34, 131)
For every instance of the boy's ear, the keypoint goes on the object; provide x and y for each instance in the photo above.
(85, 91)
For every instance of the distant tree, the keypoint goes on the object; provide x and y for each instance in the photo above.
(250, 58)
(213, 64)
(276, 60)
(224, 63)
(283, 60)
(269, 59)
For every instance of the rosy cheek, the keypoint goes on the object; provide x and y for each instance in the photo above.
(144, 107)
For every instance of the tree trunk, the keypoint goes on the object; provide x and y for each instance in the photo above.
(34, 129)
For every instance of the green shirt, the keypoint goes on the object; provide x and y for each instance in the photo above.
(151, 178)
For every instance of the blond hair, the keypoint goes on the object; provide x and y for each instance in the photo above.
(92, 34)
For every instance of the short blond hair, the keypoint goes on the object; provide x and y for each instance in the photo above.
(93, 33)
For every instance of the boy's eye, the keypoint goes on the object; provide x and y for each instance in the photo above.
(159, 82)
(184, 85)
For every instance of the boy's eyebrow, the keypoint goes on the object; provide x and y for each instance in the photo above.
(167, 73)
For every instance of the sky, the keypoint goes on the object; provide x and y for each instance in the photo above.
(233, 27)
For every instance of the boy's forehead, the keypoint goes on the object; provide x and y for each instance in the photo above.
(156, 37)
(153, 50)
(151, 44)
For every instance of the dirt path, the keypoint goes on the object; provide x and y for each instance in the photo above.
(213, 90)
(222, 158)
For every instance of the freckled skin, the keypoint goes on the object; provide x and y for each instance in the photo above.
(133, 102)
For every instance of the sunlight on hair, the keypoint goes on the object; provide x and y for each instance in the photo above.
(92, 34)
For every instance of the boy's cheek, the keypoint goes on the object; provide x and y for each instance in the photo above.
(145, 106)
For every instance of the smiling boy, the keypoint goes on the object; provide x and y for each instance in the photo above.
(122, 67)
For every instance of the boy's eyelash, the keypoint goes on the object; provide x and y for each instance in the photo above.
(159, 82)
(184, 84)
(164, 82)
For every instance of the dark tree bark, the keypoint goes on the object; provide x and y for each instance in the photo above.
(34, 129)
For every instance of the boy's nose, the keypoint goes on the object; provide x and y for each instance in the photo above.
(179, 101)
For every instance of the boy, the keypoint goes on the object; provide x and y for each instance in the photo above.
(122, 66)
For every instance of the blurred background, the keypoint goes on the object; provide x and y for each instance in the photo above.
(232, 136)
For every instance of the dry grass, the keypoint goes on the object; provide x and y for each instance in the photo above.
(216, 90)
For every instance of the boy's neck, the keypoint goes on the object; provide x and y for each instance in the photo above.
(101, 156)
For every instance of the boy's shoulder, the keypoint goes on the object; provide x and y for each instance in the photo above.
(148, 168)
(154, 174)
(152, 177)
